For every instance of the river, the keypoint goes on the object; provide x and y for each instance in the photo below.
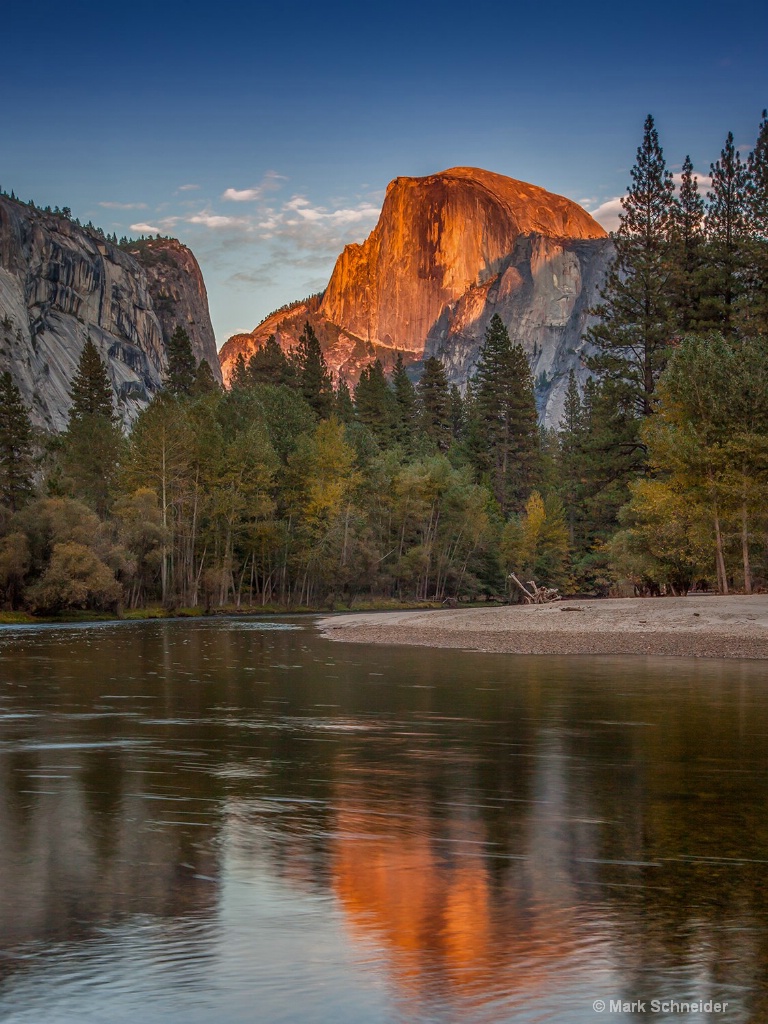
(226, 821)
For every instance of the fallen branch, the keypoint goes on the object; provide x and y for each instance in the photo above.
(538, 595)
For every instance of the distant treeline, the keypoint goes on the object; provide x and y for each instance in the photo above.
(65, 213)
(290, 489)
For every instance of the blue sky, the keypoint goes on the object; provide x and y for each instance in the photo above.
(263, 136)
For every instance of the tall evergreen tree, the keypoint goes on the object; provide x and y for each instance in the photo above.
(93, 440)
(571, 445)
(205, 383)
(16, 467)
(688, 262)
(635, 313)
(405, 403)
(182, 366)
(344, 407)
(270, 365)
(727, 234)
(240, 378)
(375, 403)
(504, 434)
(312, 372)
(757, 166)
(435, 404)
(91, 389)
(458, 417)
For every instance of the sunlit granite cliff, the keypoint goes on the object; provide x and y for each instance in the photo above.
(60, 283)
(448, 252)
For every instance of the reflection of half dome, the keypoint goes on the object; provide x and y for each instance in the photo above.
(420, 890)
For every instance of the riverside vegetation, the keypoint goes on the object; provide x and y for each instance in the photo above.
(288, 490)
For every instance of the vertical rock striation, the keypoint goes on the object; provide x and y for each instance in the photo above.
(176, 285)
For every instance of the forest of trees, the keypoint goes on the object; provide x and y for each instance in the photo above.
(291, 490)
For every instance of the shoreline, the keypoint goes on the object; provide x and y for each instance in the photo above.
(690, 627)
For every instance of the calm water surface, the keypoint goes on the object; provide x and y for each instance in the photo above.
(238, 821)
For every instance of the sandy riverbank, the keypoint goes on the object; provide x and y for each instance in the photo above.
(701, 627)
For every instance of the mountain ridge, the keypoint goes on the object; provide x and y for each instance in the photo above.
(61, 283)
(448, 251)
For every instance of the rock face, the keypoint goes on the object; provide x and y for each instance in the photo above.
(448, 252)
(178, 293)
(60, 283)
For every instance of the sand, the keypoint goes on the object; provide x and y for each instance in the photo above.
(699, 627)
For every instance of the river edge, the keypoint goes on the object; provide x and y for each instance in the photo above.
(693, 627)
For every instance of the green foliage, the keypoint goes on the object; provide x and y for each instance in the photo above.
(636, 314)
(344, 407)
(688, 251)
(503, 430)
(314, 378)
(709, 448)
(405, 404)
(92, 444)
(270, 365)
(16, 462)
(182, 366)
(91, 390)
(435, 405)
(535, 545)
(727, 225)
(376, 404)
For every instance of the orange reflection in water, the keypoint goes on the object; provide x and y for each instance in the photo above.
(420, 892)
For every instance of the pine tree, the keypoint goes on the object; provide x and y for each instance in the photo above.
(571, 440)
(204, 383)
(182, 366)
(435, 404)
(405, 404)
(375, 403)
(504, 435)
(91, 389)
(312, 373)
(240, 378)
(93, 441)
(633, 335)
(688, 262)
(757, 166)
(343, 408)
(270, 365)
(727, 226)
(16, 467)
(457, 414)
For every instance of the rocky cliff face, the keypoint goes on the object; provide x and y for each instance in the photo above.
(448, 252)
(59, 284)
(178, 293)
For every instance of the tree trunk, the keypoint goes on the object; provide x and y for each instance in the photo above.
(722, 577)
(745, 548)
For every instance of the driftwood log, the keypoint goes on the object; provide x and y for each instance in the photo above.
(536, 595)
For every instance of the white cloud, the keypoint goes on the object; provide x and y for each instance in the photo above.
(607, 213)
(208, 219)
(124, 206)
(187, 188)
(269, 183)
(316, 228)
(243, 195)
(147, 229)
(162, 227)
